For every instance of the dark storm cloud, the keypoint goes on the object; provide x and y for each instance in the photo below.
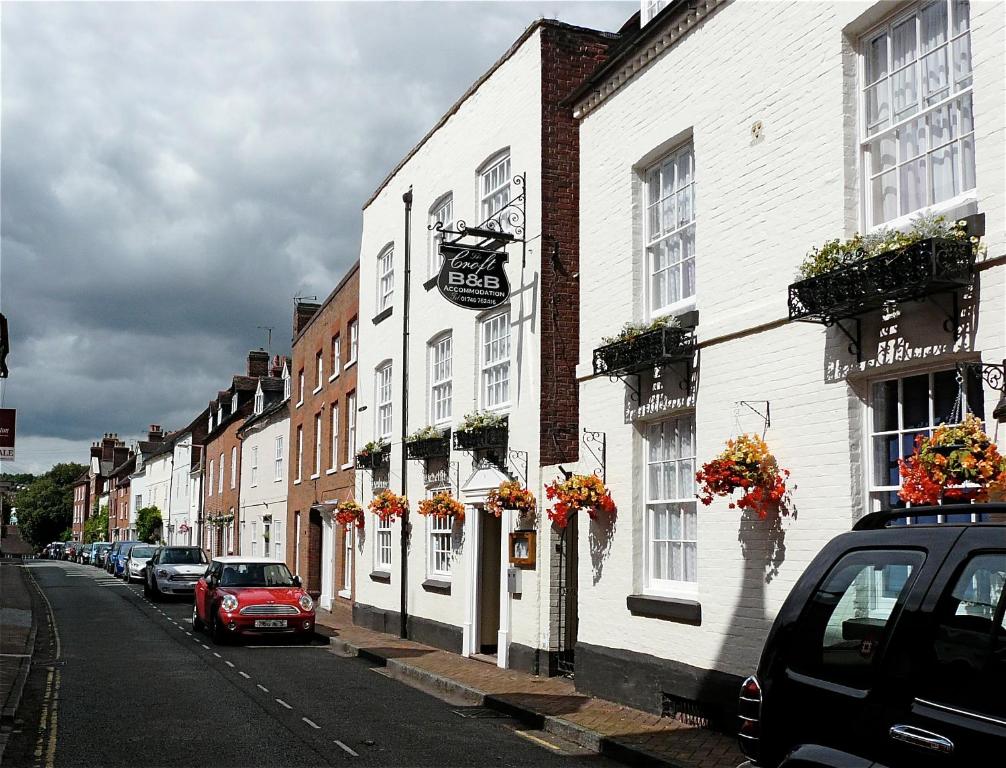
(173, 174)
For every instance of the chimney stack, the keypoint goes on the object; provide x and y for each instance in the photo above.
(303, 311)
(155, 434)
(258, 363)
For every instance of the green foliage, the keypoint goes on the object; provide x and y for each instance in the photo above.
(374, 446)
(633, 329)
(481, 420)
(45, 505)
(425, 433)
(96, 526)
(148, 523)
(835, 254)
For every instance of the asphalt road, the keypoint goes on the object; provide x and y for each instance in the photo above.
(130, 684)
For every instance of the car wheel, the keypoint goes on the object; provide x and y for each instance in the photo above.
(126, 577)
(217, 632)
(155, 593)
(197, 623)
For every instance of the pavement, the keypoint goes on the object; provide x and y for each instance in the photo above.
(17, 641)
(549, 703)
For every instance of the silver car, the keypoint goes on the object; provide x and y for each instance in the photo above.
(174, 571)
(136, 562)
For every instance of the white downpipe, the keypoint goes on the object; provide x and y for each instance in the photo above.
(503, 635)
(468, 639)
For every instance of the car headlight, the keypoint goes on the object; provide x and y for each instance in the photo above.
(162, 572)
(306, 603)
(229, 603)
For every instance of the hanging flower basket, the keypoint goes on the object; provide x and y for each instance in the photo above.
(578, 492)
(746, 464)
(349, 513)
(387, 505)
(442, 505)
(510, 495)
(373, 455)
(958, 463)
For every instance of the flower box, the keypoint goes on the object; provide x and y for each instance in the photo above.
(373, 459)
(480, 438)
(429, 447)
(657, 347)
(911, 272)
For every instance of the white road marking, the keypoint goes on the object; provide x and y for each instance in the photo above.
(311, 723)
(245, 675)
(229, 663)
(351, 751)
(262, 687)
(217, 655)
(283, 703)
(189, 634)
(205, 646)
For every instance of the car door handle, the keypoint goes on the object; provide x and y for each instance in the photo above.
(921, 738)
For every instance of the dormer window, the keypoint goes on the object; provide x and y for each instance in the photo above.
(259, 400)
(286, 384)
(650, 8)
(234, 403)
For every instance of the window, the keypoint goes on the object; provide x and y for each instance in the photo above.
(234, 467)
(494, 188)
(385, 278)
(319, 367)
(383, 554)
(440, 380)
(220, 477)
(234, 403)
(900, 410)
(286, 383)
(254, 465)
(918, 125)
(333, 456)
(670, 232)
(354, 341)
(278, 461)
(495, 342)
(383, 398)
(440, 544)
(336, 356)
(350, 427)
(671, 519)
(442, 214)
(965, 664)
(300, 451)
(259, 401)
(651, 8)
(300, 385)
(317, 445)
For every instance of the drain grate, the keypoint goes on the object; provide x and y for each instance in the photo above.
(683, 710)
(480, 713)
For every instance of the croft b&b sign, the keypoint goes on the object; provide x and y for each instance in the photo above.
(473, 277)
(7, 422)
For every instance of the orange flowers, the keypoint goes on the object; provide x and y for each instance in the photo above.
(442, 505)
(348, 513)
(510, 495)
(746, 463)
(387, 505)
(576, 493)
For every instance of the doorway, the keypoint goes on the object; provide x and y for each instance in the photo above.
(314, 537)
(489, 583)
(327, 553)
(566, 596)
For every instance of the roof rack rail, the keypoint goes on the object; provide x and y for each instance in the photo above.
(877, 520)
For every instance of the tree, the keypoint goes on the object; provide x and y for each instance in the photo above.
(96, 526)
(148, 523)
(45, 506)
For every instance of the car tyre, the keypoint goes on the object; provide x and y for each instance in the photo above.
(217, 632)
(197, 623)
(126, 577)
(155, 593)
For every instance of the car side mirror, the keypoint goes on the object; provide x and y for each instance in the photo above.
(211, 581)
(296, 581)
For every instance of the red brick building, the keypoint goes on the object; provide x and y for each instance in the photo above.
(322, 439)
(119, 484)
(81, 505)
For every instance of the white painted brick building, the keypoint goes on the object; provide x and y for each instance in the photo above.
(764, 104)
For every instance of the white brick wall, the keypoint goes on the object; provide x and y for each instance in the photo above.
(762, 204)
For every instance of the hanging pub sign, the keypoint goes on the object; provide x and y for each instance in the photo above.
(7, 421)
(473, 277)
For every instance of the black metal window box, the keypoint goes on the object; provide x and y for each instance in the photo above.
(657, 347)
(481, 438)
(925, 268)
(375, 460)
(429, 447)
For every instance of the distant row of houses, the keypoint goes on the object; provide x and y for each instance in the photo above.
(680, 168)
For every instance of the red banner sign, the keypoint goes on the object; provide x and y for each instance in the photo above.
(7, 420)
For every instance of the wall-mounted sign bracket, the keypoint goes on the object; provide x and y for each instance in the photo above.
(596, 445)
(765, 413)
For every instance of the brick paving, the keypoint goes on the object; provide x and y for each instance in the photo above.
(16, 636)
(601, 724)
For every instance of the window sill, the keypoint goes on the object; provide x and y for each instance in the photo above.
(316, 390)
(668, 608)
(299, 404)
(437, 585)
(382, 576)
(297, 481)
(333, 377)
(331, 471)
(677, 308)
(960, 202)
(345, 594)
(430, 284)
(315, 476)
(384, 314)
(350, 363)
(347, 465)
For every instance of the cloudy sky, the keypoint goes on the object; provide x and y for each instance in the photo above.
(173, 174)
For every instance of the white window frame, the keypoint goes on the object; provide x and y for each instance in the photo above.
(300, 453)
(286, 384)
(319, 361)
(439, 532)
(234, 403)
(649, 9)
(495, 187)
(354, 341)
(333, 462)
(441, 378)
(336, 356)
(317, 445)
(278, 460)
(254, 466)
(385, 278)
(383, 413)
(234, 467)
(220, 477)
(489, 365)
(684, 466)
(383, 545)
(680, 192)
(350, 429)
(441, 212)
(259, 401)
(300, 382)
(895, 129)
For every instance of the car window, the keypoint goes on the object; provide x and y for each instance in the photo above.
(966, 664)
(141, 551)
(183, 557)
(256, 575)
(847, 621)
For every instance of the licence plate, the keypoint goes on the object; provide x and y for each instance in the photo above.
(270, 622)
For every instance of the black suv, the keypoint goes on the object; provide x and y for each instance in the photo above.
(891, 649)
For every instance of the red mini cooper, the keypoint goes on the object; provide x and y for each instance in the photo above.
(251, 596)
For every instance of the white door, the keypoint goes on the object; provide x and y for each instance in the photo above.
(347, 565)
(327, 561)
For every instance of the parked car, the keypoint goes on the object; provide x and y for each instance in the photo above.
(110, 556)
(136, 562)
(890, 650)
(174, 571)
(84, 553)
(56, 550)
(251, 596)
(98, 554)
(117, 556)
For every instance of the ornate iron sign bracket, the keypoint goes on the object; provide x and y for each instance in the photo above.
(515, 460)
(596, 444)
(504, 226)
(765, 417)
(992, 374)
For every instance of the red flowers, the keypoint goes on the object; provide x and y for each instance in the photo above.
(510, 495)
(576, 493)
(746, 464)
(442, 505)
(387, 505)
(348, 513)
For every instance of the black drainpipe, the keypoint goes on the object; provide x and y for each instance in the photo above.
(403, 557)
